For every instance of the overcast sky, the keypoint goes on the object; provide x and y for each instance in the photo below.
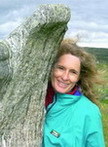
(89, 18)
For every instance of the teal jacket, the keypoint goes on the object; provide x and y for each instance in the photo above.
(72, 121)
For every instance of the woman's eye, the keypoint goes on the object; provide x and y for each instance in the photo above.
(73, 72)
(59, 67)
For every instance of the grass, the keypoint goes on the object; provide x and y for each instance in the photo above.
(103, 68)
(102, 56)
(104, 111)
(103, 89)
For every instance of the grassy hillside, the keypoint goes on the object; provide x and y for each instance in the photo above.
(100, 53)
(102, 56)
(104, 111)
(103, 90)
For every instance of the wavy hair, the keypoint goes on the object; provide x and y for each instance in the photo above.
(88, 75)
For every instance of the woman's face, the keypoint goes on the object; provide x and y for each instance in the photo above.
(65, 74)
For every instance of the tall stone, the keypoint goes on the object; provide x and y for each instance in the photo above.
(26, 57)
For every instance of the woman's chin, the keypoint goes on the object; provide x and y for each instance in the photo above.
(61, 90)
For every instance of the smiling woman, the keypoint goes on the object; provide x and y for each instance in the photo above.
(65, 73)
(72, 117)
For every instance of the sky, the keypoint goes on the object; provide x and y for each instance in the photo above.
(89, 18)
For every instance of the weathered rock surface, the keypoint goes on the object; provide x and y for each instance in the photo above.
(25, 61)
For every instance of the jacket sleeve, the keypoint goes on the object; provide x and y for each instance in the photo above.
(95, 137)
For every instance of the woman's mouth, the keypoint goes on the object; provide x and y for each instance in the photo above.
(62, 84)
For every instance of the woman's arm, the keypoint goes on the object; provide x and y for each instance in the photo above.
(95, 137)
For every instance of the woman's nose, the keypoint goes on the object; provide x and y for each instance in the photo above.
(65, 75)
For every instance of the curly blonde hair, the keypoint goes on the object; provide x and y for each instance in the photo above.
(88, 75)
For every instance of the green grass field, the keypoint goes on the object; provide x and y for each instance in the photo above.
(101, 55)
(104, 111)
(103, 68)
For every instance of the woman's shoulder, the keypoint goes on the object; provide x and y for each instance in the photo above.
(88, 107)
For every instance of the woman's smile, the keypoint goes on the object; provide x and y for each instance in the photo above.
(62, 84)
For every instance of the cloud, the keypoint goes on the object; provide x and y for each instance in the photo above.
(14, 18)
(90, 38)
(89, 33)
(8, 27)
(89, 18)
(87, 25)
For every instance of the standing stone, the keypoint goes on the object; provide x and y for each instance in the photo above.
(26, 57)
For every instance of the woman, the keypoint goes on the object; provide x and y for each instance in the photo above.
(72, 117)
